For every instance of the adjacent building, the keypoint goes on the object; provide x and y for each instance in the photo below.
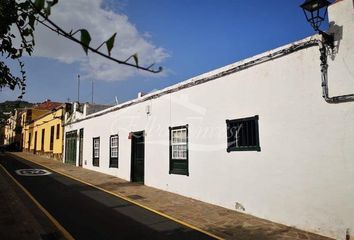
(42, 131)
(74, 139)
(10, 129)
(271, 135)
(13, 130)
(2, 134)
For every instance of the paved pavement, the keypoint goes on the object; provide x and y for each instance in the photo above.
(219, 221)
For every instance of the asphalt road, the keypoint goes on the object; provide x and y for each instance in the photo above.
(88, 213)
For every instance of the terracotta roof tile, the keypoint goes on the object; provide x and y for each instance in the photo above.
(47, 105)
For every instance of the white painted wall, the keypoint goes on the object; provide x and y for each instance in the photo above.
(304, 174)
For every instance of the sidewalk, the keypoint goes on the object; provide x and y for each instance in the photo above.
(219, 221)
(20, 218)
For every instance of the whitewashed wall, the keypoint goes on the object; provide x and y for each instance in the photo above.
(304, 174)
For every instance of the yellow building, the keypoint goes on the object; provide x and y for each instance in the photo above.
(27, 116)
(42, 131)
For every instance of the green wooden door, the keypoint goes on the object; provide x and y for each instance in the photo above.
(138, 150)
(70, 147)
(81, 142)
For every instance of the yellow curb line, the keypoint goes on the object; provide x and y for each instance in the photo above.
(65, 233)
(131, 201)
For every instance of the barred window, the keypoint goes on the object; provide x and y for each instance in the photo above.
(242, 134)
(114, 142)
(179, 150)
(96, 151)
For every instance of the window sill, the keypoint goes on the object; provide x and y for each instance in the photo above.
(179, 172)
(257, 149)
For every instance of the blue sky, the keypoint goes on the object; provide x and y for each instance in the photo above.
(186, 37)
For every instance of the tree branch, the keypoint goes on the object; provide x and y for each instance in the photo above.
(54, 27)
(24, 41)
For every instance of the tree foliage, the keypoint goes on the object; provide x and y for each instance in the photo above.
(9, 107)
(22, 17)
(19, 19)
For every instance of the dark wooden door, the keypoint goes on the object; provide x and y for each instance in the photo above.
(138, 154)
(43, 135)
(35, 143)
(51, 145)
(29, 141)
(81, 141)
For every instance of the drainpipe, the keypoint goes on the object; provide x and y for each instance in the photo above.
(324, 76)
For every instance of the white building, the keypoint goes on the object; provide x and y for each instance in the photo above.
(10, 128)
(256, 135)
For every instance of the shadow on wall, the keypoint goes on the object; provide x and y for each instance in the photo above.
(337, 31)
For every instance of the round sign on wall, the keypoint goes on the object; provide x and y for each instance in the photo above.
(32, 172)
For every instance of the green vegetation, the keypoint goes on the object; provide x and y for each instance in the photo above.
(10, 106)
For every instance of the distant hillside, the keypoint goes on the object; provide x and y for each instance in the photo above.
(9, 106)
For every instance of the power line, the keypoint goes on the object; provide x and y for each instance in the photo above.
(78, 88)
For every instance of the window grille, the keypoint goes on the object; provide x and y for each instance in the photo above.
(242, 134)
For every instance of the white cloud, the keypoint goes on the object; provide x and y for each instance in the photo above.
(101, 23)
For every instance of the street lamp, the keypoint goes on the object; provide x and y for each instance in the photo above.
(315, 12)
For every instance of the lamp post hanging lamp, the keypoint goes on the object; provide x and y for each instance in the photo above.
(315, 12)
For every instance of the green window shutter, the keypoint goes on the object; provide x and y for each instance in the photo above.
(96, 151)
(179, 152)
(113, 151)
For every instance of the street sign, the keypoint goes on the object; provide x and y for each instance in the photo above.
(32, 172)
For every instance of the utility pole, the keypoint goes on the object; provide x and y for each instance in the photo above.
(78, 88)
(92, 93)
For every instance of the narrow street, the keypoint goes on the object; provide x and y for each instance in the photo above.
(88, 213)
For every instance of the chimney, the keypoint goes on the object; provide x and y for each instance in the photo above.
(141, 94)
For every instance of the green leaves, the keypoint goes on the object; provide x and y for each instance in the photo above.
(31, 20)
(110, 43)
(135, 57)
(85, 39)
(52, 3)
(49, 5)
(136, 60)
(39, 4)
(44, 5)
